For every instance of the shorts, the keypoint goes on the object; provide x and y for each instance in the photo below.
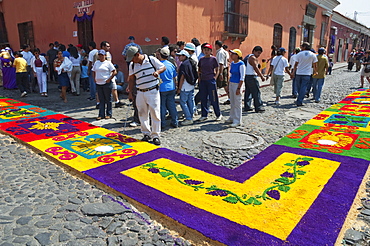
(225, 74)
(363, 73)
(114, 85)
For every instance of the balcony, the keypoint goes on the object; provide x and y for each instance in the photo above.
(236, 26)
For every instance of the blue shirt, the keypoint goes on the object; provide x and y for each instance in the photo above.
(236, 76)
(84, 72)
(167, 77)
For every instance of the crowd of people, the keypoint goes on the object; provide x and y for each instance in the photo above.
(155, 80)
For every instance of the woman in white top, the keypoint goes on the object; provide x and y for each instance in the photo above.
(37, 63)
(76, 70)
(104, 72)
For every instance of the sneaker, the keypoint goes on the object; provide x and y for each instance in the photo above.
(227, 102)
(317, 101)
(229, 120)
(248, 109)
(156, 141)
(24, 94)
(118, 105)
(97, 106)
(146, 138)
(235, 125)
(134, 124)
(202, 118)
(277, 102)
(91, 98)
(210, 110)
(174, 125)
(219, 118)
(186, 122)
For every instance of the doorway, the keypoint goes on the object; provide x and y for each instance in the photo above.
(26, 36)
(292, 40)
(85, 32)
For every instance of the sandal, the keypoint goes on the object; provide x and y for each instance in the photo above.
(108, 117)
(99, 118)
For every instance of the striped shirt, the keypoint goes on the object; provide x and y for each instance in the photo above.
(144, 72)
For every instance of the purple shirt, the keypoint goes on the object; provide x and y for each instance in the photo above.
(207, 66)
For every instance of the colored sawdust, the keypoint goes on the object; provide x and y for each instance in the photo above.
(280, 195)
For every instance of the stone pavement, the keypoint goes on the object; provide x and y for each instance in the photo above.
(198, 140)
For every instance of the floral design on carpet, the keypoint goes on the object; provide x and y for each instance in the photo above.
(15, 113)
(334, 142)
(93, 146)
(281, 184)
(355, 108)
(348, 120)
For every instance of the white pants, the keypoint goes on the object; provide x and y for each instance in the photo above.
(235, 103)
(149, 102)
(75, 79)
(41, 79)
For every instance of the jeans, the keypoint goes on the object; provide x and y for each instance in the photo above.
(294, 87)
(187, 103)
(252, 90)
(309, 86)
(302, 82)
(317, 87)
(208, 90)
(92, 85)
(168, 103)
(105, 96)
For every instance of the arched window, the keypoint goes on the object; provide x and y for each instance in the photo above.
(278, 33)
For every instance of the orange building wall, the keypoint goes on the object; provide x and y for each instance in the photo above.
(113, 21)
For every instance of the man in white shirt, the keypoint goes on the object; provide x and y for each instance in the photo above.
(222, 59)
(146, 70)
(279, 65)
(305, 60)
(27, 55)
(93, 56)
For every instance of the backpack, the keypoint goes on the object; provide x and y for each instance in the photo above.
(192, 77)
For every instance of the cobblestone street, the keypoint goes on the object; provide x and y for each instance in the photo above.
(42, 204)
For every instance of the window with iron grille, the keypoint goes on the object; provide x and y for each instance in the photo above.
(236, 16)
(26, 36)
(278, 35)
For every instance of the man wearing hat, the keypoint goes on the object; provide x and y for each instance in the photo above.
(318, 79)
(131, 43)
(208, 71)
(187, 78)
(190, 48)
(146, 70)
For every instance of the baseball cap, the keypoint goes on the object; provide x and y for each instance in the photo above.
(79, 45)
(183, 53)
(282, 49)
(209, 46)
(298, 49)
(236, 51)
(131, 38)
(66, 54)
(102, 52)
(165, 51)
(131, 52)
(321, 49)
(189, 46)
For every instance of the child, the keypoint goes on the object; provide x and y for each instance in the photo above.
(331, 64)
(84, 76)
(351, 61)
(263, 67)
(20, 65)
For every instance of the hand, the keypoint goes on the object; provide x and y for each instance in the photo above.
(34, 75)
(292, 76)
(155, 74)
(128, 90)
(107, 81)
(237, 92)
(227, 89)
(130, 97)
(263, 78)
